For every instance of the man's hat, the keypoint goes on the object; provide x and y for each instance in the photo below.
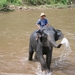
(42, 14)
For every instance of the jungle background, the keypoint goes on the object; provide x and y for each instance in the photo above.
(4, 3)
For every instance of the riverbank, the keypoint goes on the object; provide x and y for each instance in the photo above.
(39, 7)
(55, 6)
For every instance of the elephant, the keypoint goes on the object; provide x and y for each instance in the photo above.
(42, 42)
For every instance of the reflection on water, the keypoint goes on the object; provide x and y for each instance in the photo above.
(15, 29)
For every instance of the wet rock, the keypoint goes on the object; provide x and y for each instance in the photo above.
(12, 7)
(5, 9)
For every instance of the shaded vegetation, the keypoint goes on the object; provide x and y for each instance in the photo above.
(32, 2)
(42, 2)
(5, 4)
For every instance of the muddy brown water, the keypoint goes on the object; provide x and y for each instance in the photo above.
(15, 30)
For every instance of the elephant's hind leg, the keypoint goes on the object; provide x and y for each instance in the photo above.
(30, 52)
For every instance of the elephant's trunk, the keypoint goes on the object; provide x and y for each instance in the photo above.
(53, 42)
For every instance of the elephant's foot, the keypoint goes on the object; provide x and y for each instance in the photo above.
(44, 73)
(47, 72)
(30, 58)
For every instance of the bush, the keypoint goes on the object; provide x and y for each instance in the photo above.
(7, 2)
(41, 2)
(16, 2)
(3, 3)
(33, 2)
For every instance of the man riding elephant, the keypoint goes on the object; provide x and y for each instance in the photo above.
(42, 21)
(42, 42)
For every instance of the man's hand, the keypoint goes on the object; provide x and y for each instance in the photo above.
(38, 26)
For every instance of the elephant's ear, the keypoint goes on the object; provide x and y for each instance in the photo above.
(58, 35)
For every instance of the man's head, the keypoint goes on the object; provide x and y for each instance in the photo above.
(42, 15)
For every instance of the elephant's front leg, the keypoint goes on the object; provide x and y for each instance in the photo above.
(39, 53)
(41, 58)
(42, 62)
(48, 59)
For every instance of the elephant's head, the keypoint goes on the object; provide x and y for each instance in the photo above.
(48, 37)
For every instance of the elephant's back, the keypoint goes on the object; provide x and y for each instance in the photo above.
(33, 34)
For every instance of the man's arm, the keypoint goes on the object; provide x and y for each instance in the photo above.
(38, 26)
(47, 22)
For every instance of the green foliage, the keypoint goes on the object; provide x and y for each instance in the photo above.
(40, 2)
(7, 2)
(16, 2)
(3, 3)
(33, 2)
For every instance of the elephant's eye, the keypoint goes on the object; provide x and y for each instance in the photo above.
(44, 39)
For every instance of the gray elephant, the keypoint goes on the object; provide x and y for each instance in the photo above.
(42, 42)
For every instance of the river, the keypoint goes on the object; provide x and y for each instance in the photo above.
(15, 30)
